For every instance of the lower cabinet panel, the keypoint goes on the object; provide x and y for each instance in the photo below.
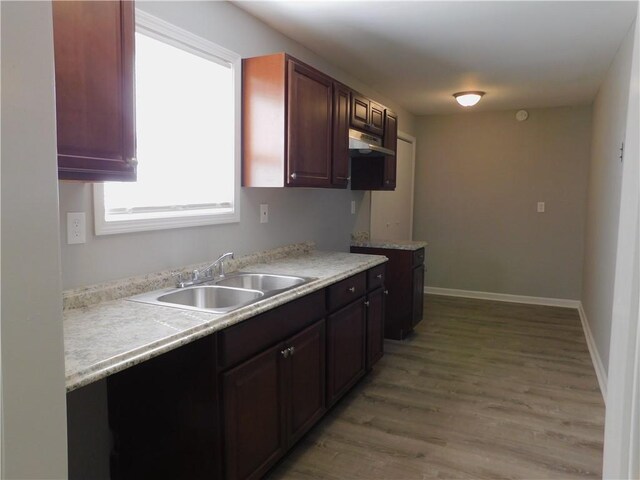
(306, 378)
(345, 349)
(162, 416)
(253, 415)
(375, 326)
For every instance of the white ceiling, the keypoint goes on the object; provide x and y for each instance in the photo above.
(523, 54)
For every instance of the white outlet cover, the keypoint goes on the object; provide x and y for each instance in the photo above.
(76, 228)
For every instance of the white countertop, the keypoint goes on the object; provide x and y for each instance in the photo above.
(109, 337)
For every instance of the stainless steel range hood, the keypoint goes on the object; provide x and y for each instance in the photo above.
(365, 145)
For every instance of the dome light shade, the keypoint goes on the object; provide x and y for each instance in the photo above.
(468, 99)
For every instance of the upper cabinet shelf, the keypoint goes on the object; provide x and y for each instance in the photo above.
(295, 127)
(94, 68)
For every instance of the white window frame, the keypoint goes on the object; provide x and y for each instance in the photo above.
(169, 33)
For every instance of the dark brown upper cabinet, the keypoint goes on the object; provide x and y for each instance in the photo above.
(309, 126)
(378, 173)
(294, 125)
(94, 69)
(390, 141)
(366, 114)
(340, 161)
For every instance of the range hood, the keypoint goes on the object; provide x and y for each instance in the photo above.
(365, 145)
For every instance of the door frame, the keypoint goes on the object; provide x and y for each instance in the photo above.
(621, 457)
(411, 140)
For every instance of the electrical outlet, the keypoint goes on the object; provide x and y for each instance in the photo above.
(540, 207)
(76, 228)
(264, 213)
(353, 207)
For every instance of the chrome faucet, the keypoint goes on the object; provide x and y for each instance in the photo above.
(207, 274)
(211, 269)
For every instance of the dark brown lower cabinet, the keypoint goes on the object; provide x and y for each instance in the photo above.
(230, 405)
(404, 282)
(375, 326)
(418, 295)
(162, 416)
(346, 334)
(271, 400)
(254, 415)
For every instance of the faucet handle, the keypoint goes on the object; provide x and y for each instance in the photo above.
(178, 277)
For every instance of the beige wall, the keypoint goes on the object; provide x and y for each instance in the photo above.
(603, 205)
(479, 177)
(33, 393)
(321, 215)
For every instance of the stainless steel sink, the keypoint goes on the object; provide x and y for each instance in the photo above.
(209, 298)
(261, 281)
(227, 294)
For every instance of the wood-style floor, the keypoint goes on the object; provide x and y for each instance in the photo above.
(481, 390)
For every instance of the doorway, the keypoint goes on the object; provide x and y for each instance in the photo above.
(392, 212)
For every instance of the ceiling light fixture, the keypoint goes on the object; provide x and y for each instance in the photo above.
(468, 99)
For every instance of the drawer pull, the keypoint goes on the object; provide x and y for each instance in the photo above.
(285, 352)
(351, 289)
(379, 276)
(386, 292)
(366, 303)
(292, 350)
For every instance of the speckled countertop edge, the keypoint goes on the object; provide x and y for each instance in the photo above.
(390, 244)
(150, 330)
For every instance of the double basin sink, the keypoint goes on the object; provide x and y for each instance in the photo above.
(225, 294)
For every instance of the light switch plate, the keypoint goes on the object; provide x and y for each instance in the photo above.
(540, 207)
(353, 207)
(264, 213)
(76, 228)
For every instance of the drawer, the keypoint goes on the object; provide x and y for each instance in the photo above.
(244, 340)
(376, 277)
(345, 291)
(418, 257)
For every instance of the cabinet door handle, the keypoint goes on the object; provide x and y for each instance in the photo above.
(294, 175)
(285, 352)
(366, 303)
(133, 161)
(292, 350)
(379, 276)
(351, 289)
(386, 292)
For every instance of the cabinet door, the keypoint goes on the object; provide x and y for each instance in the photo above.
(418, 295)
(390, 141)
(94, 66)
(253, 401)
(359, 111)
(376, 116)
(345, 349)
(340, 160)
(309, 125)
(375, 326)
(306, 378)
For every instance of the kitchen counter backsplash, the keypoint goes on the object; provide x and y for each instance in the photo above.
(127, 287)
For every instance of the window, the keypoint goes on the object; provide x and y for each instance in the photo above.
(187, 99)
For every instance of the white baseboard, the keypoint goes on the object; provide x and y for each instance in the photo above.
(595, 355)
(503, 297)
(601, 374)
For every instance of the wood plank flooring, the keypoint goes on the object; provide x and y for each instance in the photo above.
(481, 390)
